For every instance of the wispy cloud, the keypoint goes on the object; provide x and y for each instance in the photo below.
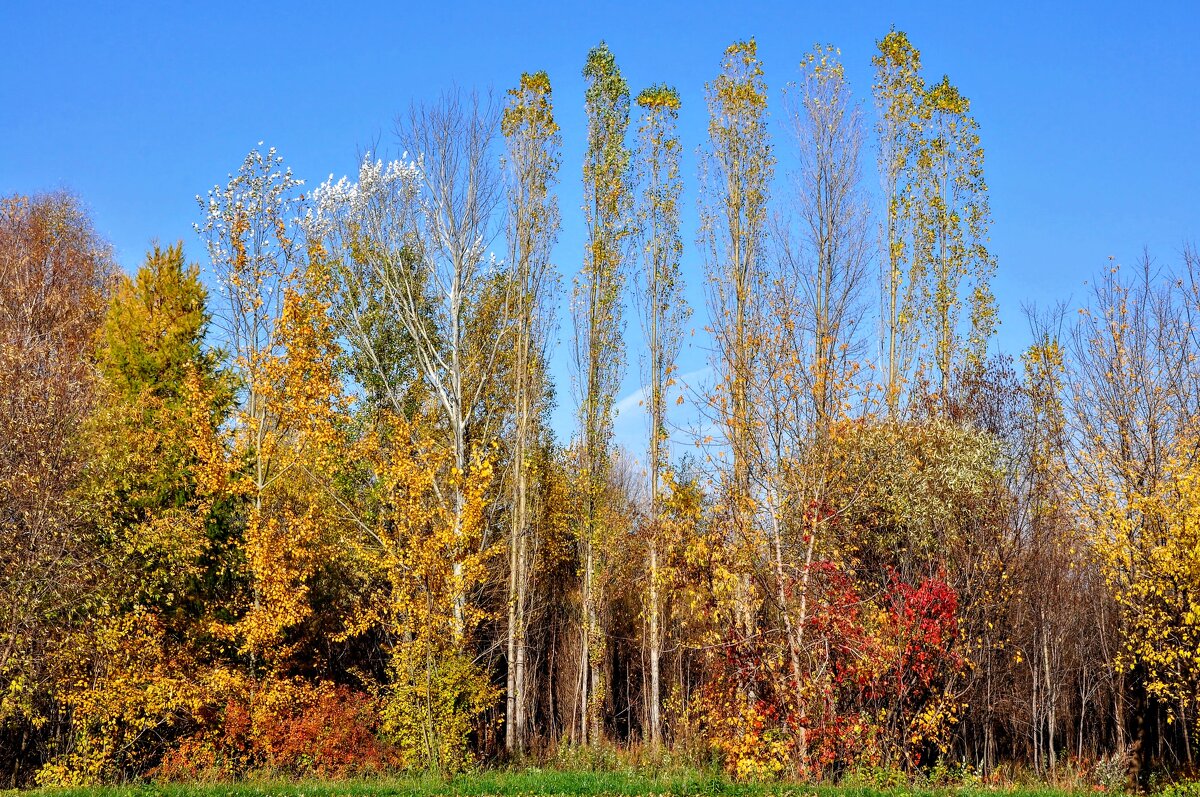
(630, 425)
(631, 402)
(634, 401)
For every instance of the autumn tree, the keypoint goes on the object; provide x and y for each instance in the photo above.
(407, 245)
(158, 465)
(1133, 416)
(154, 491)
(826, 263)
(532, 158)
(950, 237)
(276, 326)
(808, 317)
(599, 351)
(736, 173)
(413, 555)
(898, 90)
(663, 312)
(55, 274)
(447, 304)
(1050, 577)
(936, 222)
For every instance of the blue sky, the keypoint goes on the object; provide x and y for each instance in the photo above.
(1089, 113)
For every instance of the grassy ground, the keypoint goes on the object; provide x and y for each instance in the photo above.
(535, 783)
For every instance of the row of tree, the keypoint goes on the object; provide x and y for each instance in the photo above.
(321, 524)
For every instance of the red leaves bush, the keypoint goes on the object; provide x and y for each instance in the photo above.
(330, 737)
(877, 664)
(285, 728)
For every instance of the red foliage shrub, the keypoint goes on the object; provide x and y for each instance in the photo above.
(330, 737)
(284, 727)
(874, 686)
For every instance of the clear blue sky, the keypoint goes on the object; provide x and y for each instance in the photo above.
(1089, 113)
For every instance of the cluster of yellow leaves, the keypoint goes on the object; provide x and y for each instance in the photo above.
(420, 560)
(1150, 551)
(422, 568)
(755, 750)
(126, 678)
(126, 685)
(292, 438)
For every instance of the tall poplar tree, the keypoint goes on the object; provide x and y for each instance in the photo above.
(936, 222)
(898, 91)
(599, 352)
(532, 158)
(952, 219)
(737, 170)
(825, 265)
(811, 322)
(663, 313)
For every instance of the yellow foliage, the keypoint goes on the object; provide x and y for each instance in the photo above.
(423, 566)
(127, 687)
(1148, 545)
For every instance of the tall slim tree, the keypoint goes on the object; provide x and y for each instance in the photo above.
(450, 302)
(599, 352)
(275, 325)
(826, 263)
(664, 311)
(898, 91)
(532, 157)
(936, 223)
(736, 175)
(952, 219)
(812, 322)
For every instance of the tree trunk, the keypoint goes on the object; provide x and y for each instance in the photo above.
(655, 653)
(1137, 705)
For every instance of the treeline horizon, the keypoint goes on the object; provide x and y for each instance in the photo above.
(346, 541)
